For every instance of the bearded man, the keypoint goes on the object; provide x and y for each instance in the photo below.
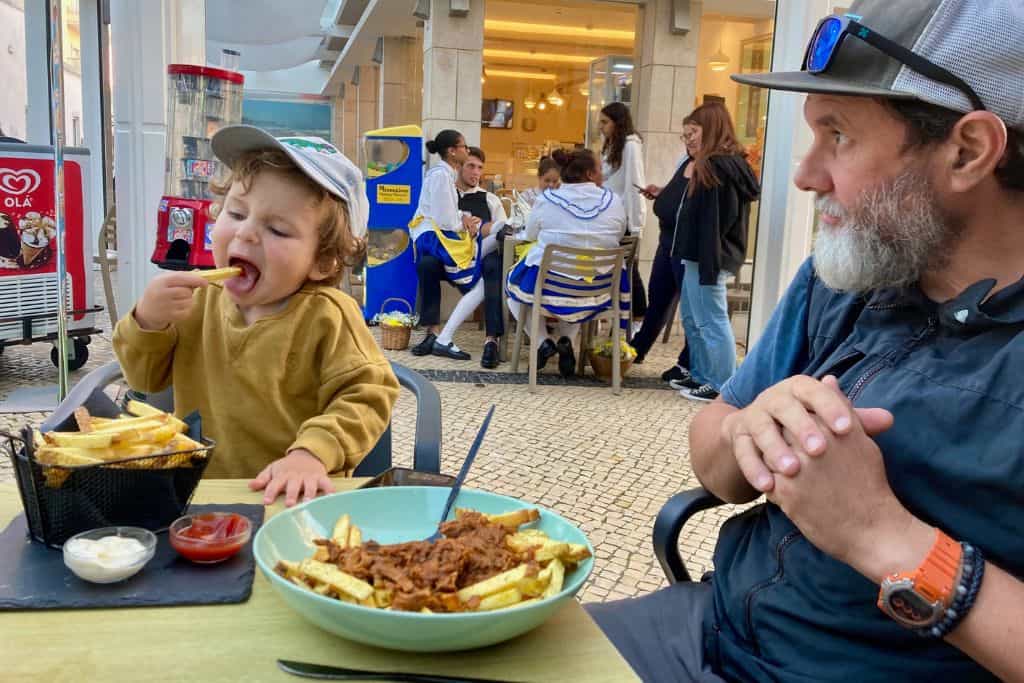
(882, 412)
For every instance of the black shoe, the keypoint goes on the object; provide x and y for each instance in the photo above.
(449, 350)
(545, 351)
(639, 360)
(490, 358)
(566, 358)
(425, 347)
(675, 372)
(706, 393)
(685, 381)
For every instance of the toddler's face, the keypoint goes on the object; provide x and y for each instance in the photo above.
(271, 233)
(550, 180)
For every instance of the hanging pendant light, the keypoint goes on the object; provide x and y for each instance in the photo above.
(529, 101)
(554, 98)
(719, 61)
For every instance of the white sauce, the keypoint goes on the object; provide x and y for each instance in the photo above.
(109, 559)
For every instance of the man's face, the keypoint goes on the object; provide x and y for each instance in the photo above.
(472, 171)
(882, 222)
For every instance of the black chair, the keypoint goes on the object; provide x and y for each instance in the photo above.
(669, 524)
(426, 455)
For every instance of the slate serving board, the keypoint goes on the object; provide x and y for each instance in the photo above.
(33, 576)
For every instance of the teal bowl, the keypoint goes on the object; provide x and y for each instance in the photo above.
(394, 515)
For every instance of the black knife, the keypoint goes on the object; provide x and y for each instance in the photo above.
(338, 673)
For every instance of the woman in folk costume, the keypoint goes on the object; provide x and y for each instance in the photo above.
(445, 241)
(583, 214)
(623, 169)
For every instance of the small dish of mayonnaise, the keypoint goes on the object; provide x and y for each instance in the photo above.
(110, 554)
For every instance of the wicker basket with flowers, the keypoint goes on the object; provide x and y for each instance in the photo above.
(395, 326)
(601, 358)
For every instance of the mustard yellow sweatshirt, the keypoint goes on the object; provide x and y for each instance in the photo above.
(309, 377)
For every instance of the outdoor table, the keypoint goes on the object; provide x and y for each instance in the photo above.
(243, 641)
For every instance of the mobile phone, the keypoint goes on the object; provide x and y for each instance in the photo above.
(404, 476)
(642, 189)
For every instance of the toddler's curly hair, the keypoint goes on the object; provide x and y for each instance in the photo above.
(337, 247)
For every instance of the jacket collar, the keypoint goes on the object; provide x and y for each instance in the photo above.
(583, 200)
(972, 309)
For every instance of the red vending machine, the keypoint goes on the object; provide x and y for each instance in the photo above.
(200, 101)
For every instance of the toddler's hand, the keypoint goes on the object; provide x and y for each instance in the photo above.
(298, 472)
(167, 299)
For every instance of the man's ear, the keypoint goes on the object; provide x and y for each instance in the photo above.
(976, 147)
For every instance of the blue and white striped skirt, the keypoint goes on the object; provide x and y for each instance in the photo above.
(462, 278)
(578, 308)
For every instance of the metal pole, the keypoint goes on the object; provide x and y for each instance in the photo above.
(57, 126)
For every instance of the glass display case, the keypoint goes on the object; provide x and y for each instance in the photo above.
(611, 80)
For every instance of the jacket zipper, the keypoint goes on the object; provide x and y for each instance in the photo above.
(786, 541)
(877, 368)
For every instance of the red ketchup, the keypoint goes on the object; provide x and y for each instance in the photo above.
(209, 537)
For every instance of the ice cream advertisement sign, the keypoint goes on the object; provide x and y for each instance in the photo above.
(28, 231)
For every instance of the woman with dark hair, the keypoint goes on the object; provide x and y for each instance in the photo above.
(549, 175)
(580, 213)
(444, 240)
(710, 241)
(623, 170)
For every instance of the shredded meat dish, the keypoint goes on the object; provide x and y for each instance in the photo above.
(422, 574)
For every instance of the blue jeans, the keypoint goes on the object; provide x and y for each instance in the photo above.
(709, 336)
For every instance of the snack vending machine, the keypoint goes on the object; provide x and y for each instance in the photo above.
(200, 101)
(394, 176)
(29, 303)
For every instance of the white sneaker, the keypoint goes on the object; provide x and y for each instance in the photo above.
(704, 394)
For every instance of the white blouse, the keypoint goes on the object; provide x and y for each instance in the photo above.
(575, 215)
(439, 201)
(621, 181)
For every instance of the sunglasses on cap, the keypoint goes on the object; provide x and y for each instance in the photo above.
(831, 31)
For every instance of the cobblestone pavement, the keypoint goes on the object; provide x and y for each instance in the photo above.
(606, 462)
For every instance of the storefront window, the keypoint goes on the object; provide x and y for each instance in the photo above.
(738, 43)
(549, 67)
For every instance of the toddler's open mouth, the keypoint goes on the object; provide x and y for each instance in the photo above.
(245, 282)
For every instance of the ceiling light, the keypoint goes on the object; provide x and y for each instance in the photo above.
(555, 98)
(530, 29)
(719, 61)
(585, 90)
(491, 53)
(542, 105)
(532, 75)
(529, 101)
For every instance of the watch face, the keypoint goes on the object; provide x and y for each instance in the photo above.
(910, 609)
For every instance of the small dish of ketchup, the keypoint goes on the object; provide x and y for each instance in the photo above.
(209, 537)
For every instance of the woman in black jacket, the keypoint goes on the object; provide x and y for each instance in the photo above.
(710, 240)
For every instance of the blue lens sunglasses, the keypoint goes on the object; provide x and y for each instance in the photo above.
(831, 31)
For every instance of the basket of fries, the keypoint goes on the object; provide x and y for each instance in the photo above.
(103, 469)
(395, 326)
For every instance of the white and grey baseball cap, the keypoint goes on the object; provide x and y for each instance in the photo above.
(317, 158)
(979, 41)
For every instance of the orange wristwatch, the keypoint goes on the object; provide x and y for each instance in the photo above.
(919, 599)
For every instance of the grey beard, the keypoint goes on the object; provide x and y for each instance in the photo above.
(890, 238)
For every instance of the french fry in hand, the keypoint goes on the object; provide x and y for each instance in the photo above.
(218, 274)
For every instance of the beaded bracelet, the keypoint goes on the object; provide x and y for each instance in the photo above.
(972, 570)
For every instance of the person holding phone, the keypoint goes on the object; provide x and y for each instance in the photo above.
(623, 170)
